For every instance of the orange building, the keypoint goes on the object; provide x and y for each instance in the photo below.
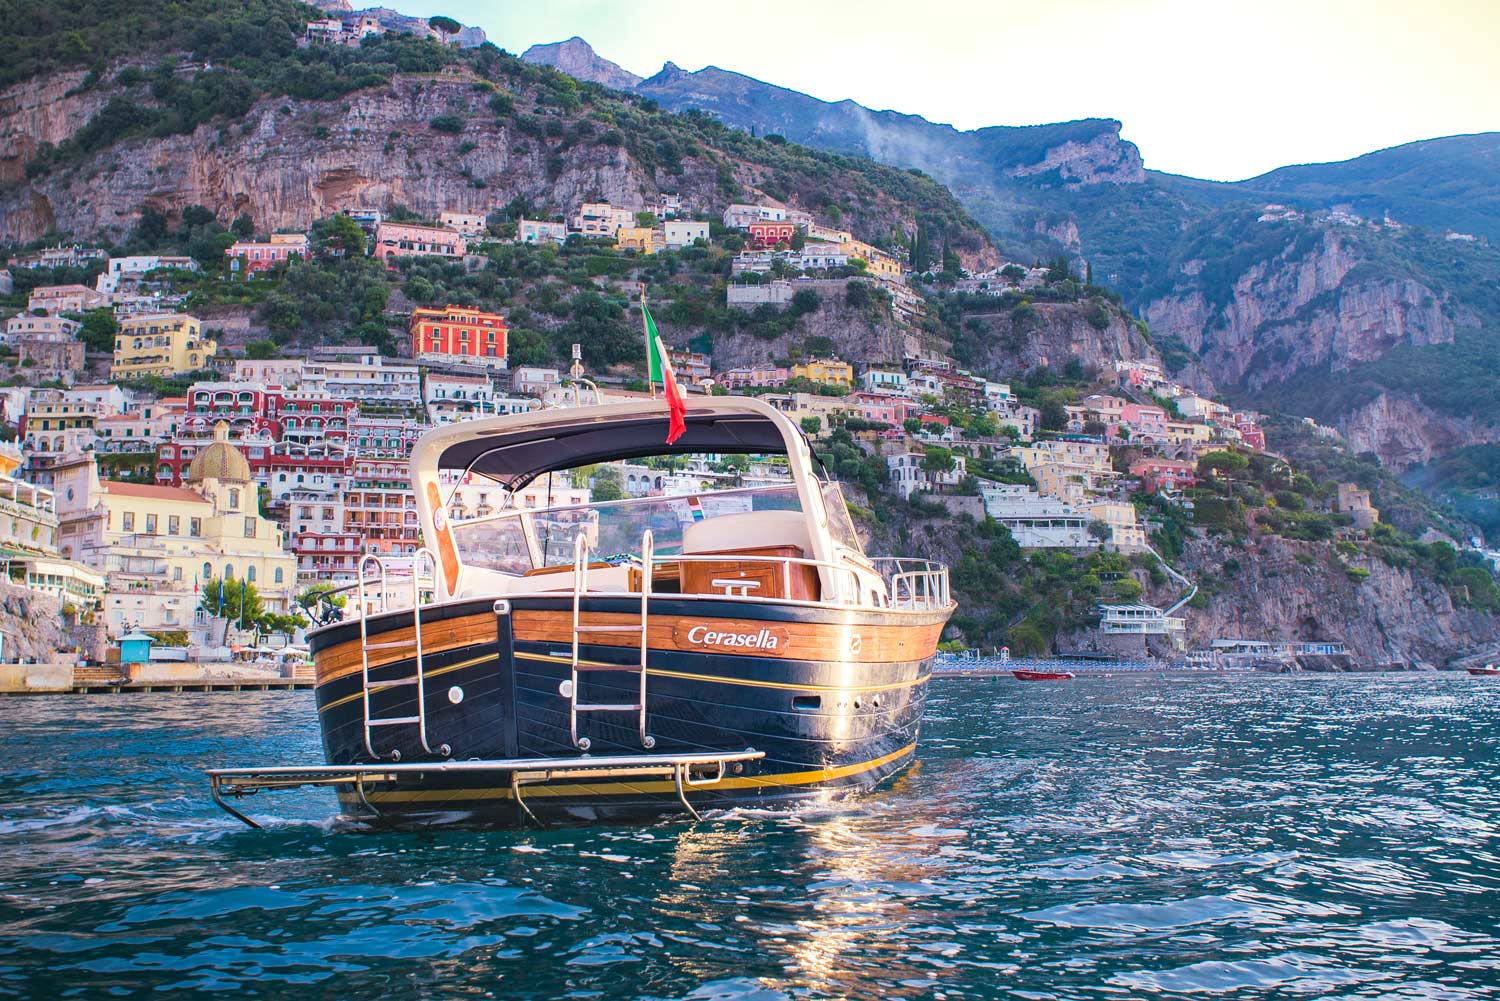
(459, 332)
(769, 234)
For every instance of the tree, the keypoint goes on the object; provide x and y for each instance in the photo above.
(913, 425)
(235, 601)
(811, 426)
(1054, 415)
(938, 460)
(340, 235)
(444, 26)
(1221, 462)
(243, 226)
(99, 330)
(1100, 530)
(606, 485)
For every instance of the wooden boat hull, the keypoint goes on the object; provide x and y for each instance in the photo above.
(832, 696)
(1043, 675)
(1484, 670)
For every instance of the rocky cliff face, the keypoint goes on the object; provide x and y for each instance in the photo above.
(1051, 335)
(1299, 591)
(290, 162)
(1297, 312)
(577, 58)
(1102, 159)
(1404, 432)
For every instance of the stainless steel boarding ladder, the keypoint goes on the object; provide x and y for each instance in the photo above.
(419, 678)
(580, 588)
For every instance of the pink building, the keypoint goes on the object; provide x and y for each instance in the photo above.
(398, 239)
(754, 375)
(1144, 423)
(1250, 431)
(1164, 474)
(249, 257)
(883, 407)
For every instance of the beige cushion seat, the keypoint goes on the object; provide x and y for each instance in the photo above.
(752, 530)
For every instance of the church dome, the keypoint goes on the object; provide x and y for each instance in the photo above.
(220, 461)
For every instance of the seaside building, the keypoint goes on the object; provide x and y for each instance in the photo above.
(251, 257)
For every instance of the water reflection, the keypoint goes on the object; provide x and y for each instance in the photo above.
(1232, 838)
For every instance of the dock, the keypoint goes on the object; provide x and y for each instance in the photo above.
(114, 679)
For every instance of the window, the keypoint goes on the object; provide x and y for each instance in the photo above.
(195, 526)
(277, 576)
(208, 570)
(128, 521)
(234, 497)
(250, 574)
(228, 571)
(249, 528)
(177, 573)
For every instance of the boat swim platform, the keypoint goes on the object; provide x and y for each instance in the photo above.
(685, 771)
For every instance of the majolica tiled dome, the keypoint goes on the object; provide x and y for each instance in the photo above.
(221, 460)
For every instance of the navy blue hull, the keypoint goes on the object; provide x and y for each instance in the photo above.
(825, 727)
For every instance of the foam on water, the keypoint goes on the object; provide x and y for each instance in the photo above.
(1138, 837)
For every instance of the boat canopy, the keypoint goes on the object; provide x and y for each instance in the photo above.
(514, 450)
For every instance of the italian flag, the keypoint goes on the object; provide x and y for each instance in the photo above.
(676, 405)
(659, 369)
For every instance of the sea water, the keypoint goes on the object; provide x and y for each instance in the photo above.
(1139, 837)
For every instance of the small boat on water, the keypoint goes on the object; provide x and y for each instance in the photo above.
(1486, 669)
(618, 659)
(1043, 675)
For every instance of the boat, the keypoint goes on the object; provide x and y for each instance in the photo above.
(1486, 669)
(1043, 675)
(619, 659)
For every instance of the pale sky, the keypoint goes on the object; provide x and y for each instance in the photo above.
(1220, 90)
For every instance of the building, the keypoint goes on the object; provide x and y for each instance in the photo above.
(1354, 501)
(251, 257)
(458, 332)
(73, 256)
(602, 219)
(536, 231)
(825, 234)
(754, 376)
(400, 239)
(827, 371)
(379, 505)
(164, 344)
(881, 380)
(908, 476)
(682, 233)
(65, 299)
(368, 219)
(465, 223)
(138, 267)
(646, 239)
(1158, 474)
(690, 366)
(360, 373)
(770, 234)
(26, 326)
(158, 545)
(1036, 521)
(776, 293)
(816, 256)
(740, 215)
(58, 423)
(877, 261)
(668, 205)
(1138, 620)
(1125, 533)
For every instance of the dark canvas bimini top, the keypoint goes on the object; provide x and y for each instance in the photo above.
(517, 457)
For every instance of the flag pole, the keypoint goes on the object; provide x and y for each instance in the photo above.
(646, 332)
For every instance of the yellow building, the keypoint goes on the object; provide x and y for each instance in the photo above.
(1188, 433)
(877, 261)
(1126, 533)
(158, 545)
(646, 239)
(161, 344)
(828, 371)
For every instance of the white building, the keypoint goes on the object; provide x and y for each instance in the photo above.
(1034, 521)
(26, 327)
(908, 476)
(750, 296)
(740, 215)
(682, 233)
(362, 374)
(537, 231)
(467, 223)
(882, 380)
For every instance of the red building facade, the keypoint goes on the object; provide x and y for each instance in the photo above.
(458, 332)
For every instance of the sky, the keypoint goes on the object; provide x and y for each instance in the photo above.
(1218, 89)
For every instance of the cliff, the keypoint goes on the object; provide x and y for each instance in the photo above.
(1050, 334)
(287, 162)
(577, 58)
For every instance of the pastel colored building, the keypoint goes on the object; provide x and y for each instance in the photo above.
(682, 233)
(646, 239)
(251, 257)
(467, 223)
(164, 344)
(400, 239)
(1158, 474)
(769, 234)
(65, 299)
(537, 231)
(828, 371)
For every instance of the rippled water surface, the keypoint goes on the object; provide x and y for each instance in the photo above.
(1120, 838)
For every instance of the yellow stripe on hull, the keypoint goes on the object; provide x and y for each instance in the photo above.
(812, 777)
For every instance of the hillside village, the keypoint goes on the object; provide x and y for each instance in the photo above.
(207, 403)
(179, 461)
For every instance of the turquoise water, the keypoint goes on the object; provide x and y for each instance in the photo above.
(1121, 838)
